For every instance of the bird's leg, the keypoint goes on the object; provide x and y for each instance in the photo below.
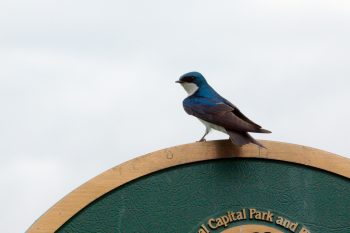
(207, 130)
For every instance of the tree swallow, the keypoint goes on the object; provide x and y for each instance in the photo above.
(215, 112)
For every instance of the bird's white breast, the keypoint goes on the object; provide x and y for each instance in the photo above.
(190, 88)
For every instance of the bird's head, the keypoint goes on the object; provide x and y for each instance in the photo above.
(192, 81)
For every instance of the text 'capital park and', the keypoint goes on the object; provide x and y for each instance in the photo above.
(251, 214)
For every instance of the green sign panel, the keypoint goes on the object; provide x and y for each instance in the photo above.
(225, 195)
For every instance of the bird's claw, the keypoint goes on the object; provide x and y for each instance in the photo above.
(202, 140)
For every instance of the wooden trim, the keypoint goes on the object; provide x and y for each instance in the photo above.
(66, 208)
(249, 228)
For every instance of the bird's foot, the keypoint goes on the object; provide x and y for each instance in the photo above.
(202, 140)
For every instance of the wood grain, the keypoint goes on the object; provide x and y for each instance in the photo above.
(252, 228)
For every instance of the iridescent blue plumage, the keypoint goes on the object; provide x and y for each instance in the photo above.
(216, 112)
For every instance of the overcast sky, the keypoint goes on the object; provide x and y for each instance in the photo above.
(87, 85)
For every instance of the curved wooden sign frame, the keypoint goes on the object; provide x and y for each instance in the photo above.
(66, 208)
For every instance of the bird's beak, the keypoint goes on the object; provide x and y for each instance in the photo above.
(178, 81)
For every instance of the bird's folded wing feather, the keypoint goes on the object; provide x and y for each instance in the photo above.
(239, 113)
(221, 114)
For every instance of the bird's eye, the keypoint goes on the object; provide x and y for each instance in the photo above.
(188, 79)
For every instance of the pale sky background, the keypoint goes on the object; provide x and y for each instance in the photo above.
(87, 85)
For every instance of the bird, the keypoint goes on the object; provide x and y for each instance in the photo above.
(215, 112)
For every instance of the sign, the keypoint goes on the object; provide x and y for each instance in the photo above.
(212, 187)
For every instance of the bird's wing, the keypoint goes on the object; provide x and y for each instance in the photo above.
(220, 114)
(239, 114)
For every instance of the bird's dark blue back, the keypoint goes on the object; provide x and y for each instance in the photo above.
(205, 95)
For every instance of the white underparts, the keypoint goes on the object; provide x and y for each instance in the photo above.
(210, 126)
(190, 88)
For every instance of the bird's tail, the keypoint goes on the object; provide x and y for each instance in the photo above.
(242, 138)
(263, 131)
